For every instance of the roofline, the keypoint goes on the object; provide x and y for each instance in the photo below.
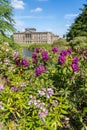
(31, 32)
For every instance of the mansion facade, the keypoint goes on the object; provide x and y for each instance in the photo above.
(30, 35)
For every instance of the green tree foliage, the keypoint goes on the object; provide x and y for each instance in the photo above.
(79, 27)
(6, 20)
(61, 43)
(79, 42)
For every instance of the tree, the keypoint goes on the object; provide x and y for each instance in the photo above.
(79, 27)
(6, 20)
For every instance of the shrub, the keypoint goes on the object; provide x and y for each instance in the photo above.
(49, 94)
(79, 42)
(60, 43)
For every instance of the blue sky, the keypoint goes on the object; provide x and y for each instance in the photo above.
(46, 15)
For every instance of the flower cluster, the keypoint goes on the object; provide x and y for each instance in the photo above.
(15, 54)
(40, 105)
(37, 50)
(74, 64)
(1, 87)
(55, 49)
(14, 88)
(63, 54)
(25, 63)
(43, 113)
(45, 56)
(40, 69)
(21, 62)
(61, 60)
(48, 92)
(34, 56)
(6, 61)
(75, 60)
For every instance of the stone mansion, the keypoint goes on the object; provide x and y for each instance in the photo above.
(30, 35)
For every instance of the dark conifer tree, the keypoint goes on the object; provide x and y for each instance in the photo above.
(79, 27)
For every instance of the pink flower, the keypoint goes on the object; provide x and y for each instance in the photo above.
(40, 69)
(15, 54)
(49, 92)
(43, 113)
(42, 91)
(1, 87)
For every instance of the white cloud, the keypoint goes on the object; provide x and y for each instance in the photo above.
(17, 4)
(69, 16)
(36, 10)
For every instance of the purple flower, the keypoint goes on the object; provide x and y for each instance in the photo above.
(15, 54)
(34, 55)
(75, 59)
(35, 61)
(25, 63)
(14, 88)
(23, 84)
(61, 60)
(32, 100)
(43, 113)
(40, 105)
(69, 51)
(37, 50)
(6, 79)
(40, 69)
(49, 92)
(18, 61)
(75, 67)
(36, 102)
(63, 53)
(37, 71)
(1, 87)
(55, 49)
(45, 55)
(21, 62)
(42, 91)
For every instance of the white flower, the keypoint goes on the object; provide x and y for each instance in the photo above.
(7, 50)
(6, 43)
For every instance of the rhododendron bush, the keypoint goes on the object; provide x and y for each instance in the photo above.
(45, 92)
